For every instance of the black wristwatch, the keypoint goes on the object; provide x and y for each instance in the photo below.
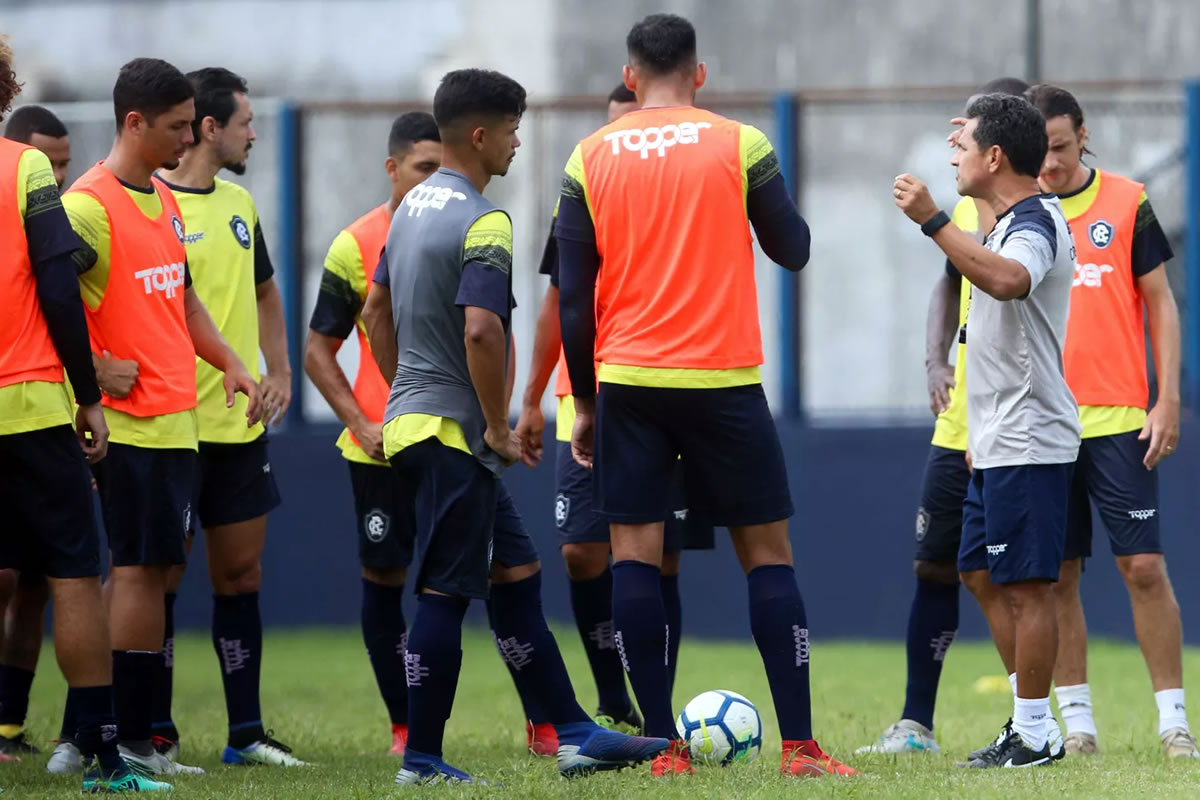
(935, 223)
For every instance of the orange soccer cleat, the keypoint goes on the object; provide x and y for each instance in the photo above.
(675, 761)
(542, 739)
(806, 759)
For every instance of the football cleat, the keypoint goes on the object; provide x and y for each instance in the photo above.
(1179, 743)
(65, 759)
(806, 759)
(267, 752)
(156, 763)
(420, 768)
(541, 738)
(167, 747)
(677, 760)
(1013, 752)
(1081, 744)
(17, 746)
(399, 739)
(630, 722)
(905, 736)
(585, 747)
(127, 781)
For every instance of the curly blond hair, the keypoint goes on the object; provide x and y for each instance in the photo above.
(9, 88)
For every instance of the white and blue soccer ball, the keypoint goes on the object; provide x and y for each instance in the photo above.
(721, 727)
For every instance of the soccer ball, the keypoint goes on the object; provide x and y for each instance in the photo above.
(721, 727)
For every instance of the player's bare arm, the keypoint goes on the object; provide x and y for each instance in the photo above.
(211, 346)
(116, 376)
(1162, 423)
(941, 324)
(486, 348)
(322, 368)
(1002, 278)
(272, 339)
(381, 329)
(547, 340)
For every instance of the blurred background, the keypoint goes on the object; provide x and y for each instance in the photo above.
(851, 92)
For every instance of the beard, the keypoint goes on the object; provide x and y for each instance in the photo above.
(236, 167)
(171, 164)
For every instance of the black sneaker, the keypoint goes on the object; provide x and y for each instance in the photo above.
(1013, 752)
(17, 746)
(987, 752)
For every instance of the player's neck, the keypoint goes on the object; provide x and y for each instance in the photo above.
(472, 170)
(1007, 193)
(1079, 179)
(667, 95)
(124, 162)
(195, 171)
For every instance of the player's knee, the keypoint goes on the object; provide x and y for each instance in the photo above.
(936, 572)
(241, 577)
(1144, 572)
(503, 574)
(977, 581)
(386, 577)
(584, 561)
(1029, 597)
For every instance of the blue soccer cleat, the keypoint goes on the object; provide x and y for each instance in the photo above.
(585, 747)
(422, 768)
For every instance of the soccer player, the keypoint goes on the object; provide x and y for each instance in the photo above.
(383, 507)
(1120, 283)
(38, 126)
(44, 483)
(24, 596)
(933, 618)
(664, 199)
(438, 318)
(232, 275)
(584, 534)
(141, 306)
(1023, 424)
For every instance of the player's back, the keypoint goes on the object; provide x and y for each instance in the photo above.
(666, 188)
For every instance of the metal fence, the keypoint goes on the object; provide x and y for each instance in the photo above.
(844, 343)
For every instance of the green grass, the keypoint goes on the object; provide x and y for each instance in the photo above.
(319, 696)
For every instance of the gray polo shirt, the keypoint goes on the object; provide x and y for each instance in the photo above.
(1019, 408)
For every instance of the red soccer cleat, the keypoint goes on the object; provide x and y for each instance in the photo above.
(542, 739)
(806, 759)
(676, 761)
(399, 739)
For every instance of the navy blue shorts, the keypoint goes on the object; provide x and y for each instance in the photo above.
(464, 519)
(733, 466)
(384, 515)
(49, 526)
(233, 483)
(577, 522)
(940, 515)
(1015, 522)
(1110, 476)
(146, 495)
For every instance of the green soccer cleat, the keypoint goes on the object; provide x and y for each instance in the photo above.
(127, 781)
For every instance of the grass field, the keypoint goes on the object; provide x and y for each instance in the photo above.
(319, 696)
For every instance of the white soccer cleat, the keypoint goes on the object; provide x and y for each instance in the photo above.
(905, 736)
(1179, 743)
(267, 752)
(65, 759)
(1054, 738)
(156, 763)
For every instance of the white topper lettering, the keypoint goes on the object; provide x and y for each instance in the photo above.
(165, 279)
(423, 196)
(1090, 275)
(647, 140)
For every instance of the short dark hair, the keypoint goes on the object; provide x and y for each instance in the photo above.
(467, 93)
(1055, 101)
(9, 87)
(1013, 86)
(149, 86)
(662, 43)
(622, 94)
(1013, 124)
(214, 88)
(408, 129)
(28, 120)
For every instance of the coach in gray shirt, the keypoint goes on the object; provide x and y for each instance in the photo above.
(1023, 421)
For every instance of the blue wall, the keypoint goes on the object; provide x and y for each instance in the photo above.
(855, 492)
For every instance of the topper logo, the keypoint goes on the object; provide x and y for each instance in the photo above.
(424, 196)
(647, 140)
(166, 278)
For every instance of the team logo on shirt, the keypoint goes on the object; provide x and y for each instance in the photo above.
(241, 231)
(562, 510)
(177, 224)
(166, 278)
(423, 196)
(922, 523)
(376, 524)
(1101, 234)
